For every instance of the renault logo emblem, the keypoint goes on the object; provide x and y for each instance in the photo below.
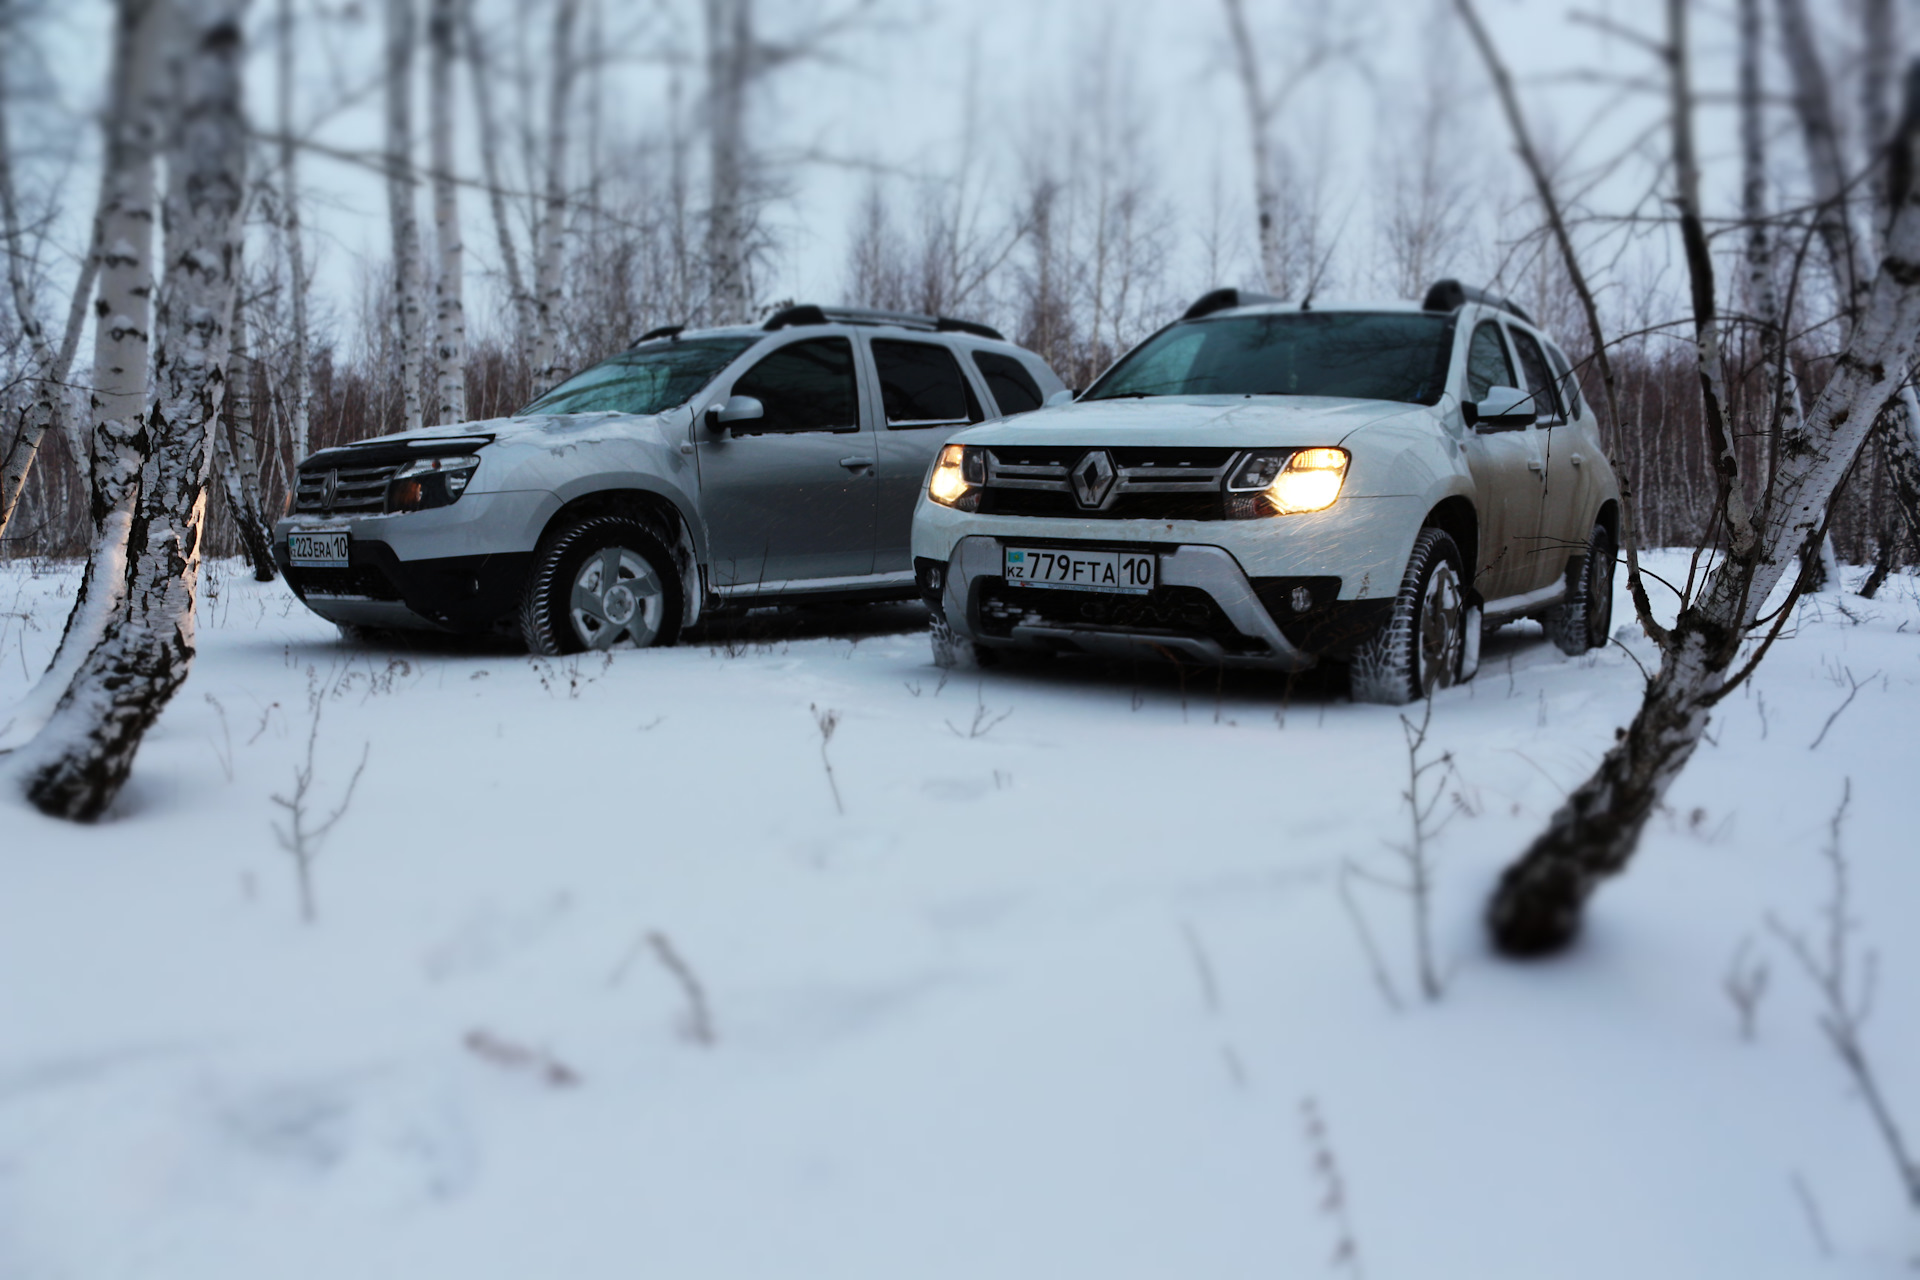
(327, 489)
(1092, 478)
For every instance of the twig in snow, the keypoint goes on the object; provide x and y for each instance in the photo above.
(1815, 1219)
(1851, 695)
(1333, 1189)
(1423, 796)
(1745, 984)
(513, 1056)
(698, 1024)
(983, 719)
(1203, 966)
(828, 721)
(222, 750)
(1375, 964)
(302, 837)
(1847, 1002)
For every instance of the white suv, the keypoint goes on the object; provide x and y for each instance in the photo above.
(1270, 484)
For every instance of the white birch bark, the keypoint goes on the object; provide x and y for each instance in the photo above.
(51, 405)
(1266, 176)
(300, 406)
(238, 469)
(1763, 291)
(408, 290)
(449, 309)
(122, 329)
(1538, 904)
(77, 764)
(481, 76)
(1845, 248)
(550, 232)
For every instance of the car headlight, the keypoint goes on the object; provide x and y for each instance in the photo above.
(430, 482)
(959, 474)
(1285, 482)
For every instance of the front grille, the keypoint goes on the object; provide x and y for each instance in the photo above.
(1167, 610)
(361, 488)
(361, 580)
(1148, 484)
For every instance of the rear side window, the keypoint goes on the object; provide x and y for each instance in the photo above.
(1539, 377)
(807, 386)
(1013, 388)
(1487, 363)
(1569, 385)
(921, 385)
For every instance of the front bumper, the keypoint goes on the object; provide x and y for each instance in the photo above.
(458, 568)
(1204, 609)
(465, 594)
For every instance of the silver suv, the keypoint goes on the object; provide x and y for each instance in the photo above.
(725, 467)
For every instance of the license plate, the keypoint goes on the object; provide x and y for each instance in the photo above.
(317, 548)
(1123, 572)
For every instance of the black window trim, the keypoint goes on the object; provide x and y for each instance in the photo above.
(919, 424)
(1555, 415)
(754, 358)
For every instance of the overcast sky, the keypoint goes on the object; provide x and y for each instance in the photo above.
(893, 99)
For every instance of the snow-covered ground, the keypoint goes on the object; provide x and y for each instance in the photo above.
(1059, 994)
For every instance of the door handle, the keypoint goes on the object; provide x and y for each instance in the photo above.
(1576, 460)
(854, 464)
(1534, 464)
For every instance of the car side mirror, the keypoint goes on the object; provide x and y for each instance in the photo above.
(736, 409)
(1501, 408)
(1063, 396)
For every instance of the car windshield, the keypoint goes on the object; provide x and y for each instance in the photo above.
(1388, 355)
(648, 379)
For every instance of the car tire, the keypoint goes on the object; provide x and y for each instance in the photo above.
(1585, 619)
(1422, 645)
(954, 652)
(601, 582)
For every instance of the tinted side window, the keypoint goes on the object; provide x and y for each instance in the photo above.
(805, 387)
(1546, 400)
(1487, 363)
(1013, 388)
(920, 384)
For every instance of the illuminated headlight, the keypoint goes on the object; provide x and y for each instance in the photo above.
(1280, 482)
(430, 482)
(958, 476)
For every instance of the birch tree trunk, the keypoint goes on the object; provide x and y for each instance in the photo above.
(1763, 291)
(300, 408)
(550, 234)
(1844, 247)
(51, 405)
(79, 761)
(1538, 904)
(449, 311)
(122, 328)
(1266, 177)
(730, 54)
(480, 74)
(239, 468)
(409, 302)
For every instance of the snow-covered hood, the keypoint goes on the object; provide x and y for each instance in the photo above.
(1235, 421)
(547, 431)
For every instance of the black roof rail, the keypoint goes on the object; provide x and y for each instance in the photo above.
(664, 331)
(1225, 300)
(806, 313)
(947, 324)
(1451, 295)
(810, 313)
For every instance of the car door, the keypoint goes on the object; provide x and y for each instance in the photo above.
(1560, 509)
(924, 398)
(1507, 473)
(789, 497)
